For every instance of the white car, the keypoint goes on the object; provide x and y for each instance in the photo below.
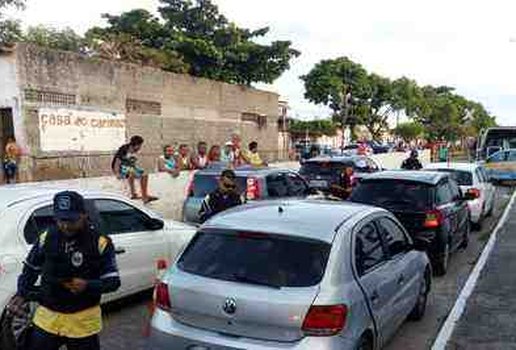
(141, 238)
(473, 178)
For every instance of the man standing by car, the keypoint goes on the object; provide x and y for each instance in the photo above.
(412, 162)
(226, 196)
(344, 188)
(76, 265)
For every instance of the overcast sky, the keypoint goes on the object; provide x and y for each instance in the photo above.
(470, 45)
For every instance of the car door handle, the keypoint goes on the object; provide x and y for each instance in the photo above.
(375, 297)
(401, 280)
(119, 251)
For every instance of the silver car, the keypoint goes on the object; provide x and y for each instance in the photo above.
(296, 275)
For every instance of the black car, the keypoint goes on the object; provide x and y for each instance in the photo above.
(322, 173)
(429, 204)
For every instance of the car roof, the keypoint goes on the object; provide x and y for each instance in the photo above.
(308, 218)
(453, 166)
(336, 159)
(243, 171)
(427, 177)
(13, 194)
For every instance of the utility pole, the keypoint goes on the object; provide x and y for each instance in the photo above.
(345, 99)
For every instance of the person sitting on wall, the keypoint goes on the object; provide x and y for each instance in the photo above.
(10, 161)
(167, 162)
(214, 154)
(254, 157)
(124, 166)
(183, 159)
(200, 159)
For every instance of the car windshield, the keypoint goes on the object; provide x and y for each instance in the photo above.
(205, 184)
(463, 178)
(256, 259)
(393, 194)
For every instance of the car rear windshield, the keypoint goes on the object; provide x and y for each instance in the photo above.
(256, 259)
(324, 168)
(205, 184)
(394, 194)
(463, 178)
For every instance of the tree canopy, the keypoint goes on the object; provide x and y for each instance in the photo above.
(10, 30)
(317, 127)
(409, 131)
(359, 97)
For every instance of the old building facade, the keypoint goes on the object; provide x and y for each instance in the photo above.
(70, 112)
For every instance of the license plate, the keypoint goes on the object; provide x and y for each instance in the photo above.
(319, 183)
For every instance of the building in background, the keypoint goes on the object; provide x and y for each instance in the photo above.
(70, 112)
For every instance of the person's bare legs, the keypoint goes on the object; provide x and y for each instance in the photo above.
(132, 187)
(144, 183)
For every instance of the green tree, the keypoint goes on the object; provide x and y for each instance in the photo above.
(314, 128)
(65, 39)
(409, 131)
(10, 30)
(194, 36)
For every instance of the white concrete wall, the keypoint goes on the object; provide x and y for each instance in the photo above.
(172, 191)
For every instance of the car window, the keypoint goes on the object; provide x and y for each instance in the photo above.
(497, 157)
(117, 217)
(393, 194)
(204, 184)
(479, 175)
(296, 186)
(455, 190)
(444, 194)
(324, 168)
(393, 235)
(40, 221)
(369, 250)
(277, 185)
(256, 258)
(373, 167)
(512, 156)
(463, 178)
(484, 174)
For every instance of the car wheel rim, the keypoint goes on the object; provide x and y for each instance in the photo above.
(422, 296)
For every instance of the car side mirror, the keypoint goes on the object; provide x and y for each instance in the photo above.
(471, 195)
(154, 224)
(421, 244)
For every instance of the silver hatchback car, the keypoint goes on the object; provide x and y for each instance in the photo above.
(296, 275)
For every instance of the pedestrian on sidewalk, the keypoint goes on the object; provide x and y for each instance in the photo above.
(214, 154)
(253, 156)
(167, 162)
(10, 161)
(183, 159)
(76, 265)
(125, 167)
(226, 196)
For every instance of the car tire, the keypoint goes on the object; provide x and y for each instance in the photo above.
(441, 263)
(465, 239)
(365, 343)
(418, 312)
(491, 210)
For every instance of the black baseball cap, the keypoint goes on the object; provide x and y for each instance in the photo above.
(68, 206)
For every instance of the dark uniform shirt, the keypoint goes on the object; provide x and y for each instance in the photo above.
(411, 164)
(217, 202)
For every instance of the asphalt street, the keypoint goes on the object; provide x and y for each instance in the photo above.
(125, 322)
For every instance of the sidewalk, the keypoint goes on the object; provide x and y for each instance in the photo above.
(489, 320)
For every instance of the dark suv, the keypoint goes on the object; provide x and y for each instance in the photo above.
(322, 173)
(254, 184)
(429, 204)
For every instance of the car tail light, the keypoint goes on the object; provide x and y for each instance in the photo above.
(323, 321)
(475, 192)
(253, 189)
(162, 297)
(434, 219)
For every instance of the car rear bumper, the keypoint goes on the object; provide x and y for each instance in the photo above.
(476, 209)
(166, 333)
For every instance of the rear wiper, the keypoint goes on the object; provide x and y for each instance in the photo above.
(250, 280)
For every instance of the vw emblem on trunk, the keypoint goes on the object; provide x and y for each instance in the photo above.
(230, 306)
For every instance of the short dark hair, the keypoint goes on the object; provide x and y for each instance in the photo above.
(183, 145)
(136, 140)
(202, 143)
(253, 145)
(228, 174)
(165, 148)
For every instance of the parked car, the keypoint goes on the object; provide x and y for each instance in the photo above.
(471, 178)
(297, 275)
(254, 184)
(430, 205)
(378, 148)
(141, 238)
(501, 166)
(356, 149)
(323, 173)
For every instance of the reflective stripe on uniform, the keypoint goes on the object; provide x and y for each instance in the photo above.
(77, 325)
(109, 275)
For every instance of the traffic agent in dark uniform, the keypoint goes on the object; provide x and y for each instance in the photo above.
(226, 196)
(412, 162)
(76, 265)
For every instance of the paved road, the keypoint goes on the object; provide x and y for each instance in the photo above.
(124, 323)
